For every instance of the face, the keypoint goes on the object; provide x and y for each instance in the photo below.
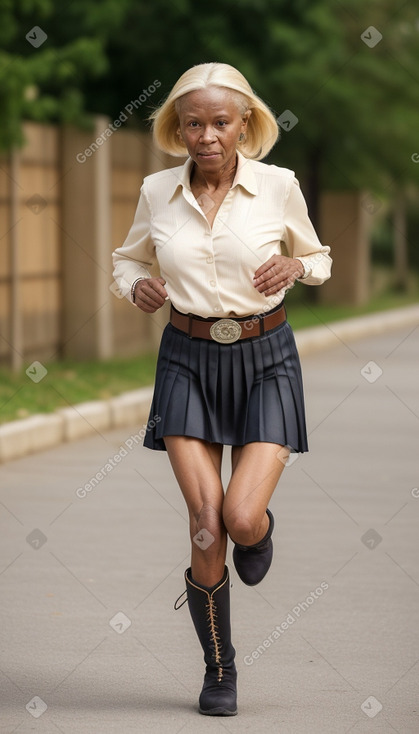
(210, 125)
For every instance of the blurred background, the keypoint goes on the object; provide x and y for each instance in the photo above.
(78, 80)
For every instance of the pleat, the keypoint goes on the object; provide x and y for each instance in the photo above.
(207, 374)
(232, 394)
(247, 373)
(293, 369)
(163, 388)
(274, 396)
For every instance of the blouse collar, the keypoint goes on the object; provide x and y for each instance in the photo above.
(244, 177)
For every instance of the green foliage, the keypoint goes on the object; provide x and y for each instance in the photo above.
(46, 82)
(357, 106)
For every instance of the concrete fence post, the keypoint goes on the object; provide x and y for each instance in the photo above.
(86, 218)
(103, 241)
(345, 223)
(16, 326)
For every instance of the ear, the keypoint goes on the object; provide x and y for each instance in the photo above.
(245, 120)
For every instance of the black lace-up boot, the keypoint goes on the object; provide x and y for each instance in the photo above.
(252, 562)
(210, 612)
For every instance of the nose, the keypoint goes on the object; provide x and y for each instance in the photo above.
(208, 134)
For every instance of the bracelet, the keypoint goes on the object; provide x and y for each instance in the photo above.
(307, 269)
(137, 280)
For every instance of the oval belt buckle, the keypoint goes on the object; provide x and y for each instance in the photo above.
(225, 331)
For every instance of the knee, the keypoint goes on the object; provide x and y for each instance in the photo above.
(242, 527)
(207, 527)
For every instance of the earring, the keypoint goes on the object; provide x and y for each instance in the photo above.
(241, 137)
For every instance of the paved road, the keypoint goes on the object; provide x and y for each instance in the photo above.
(328, 642)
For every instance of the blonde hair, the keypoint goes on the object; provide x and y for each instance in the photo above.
(262, 129)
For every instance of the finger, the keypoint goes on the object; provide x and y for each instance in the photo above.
(146, 309)
(284, 285)
(147, 306)
(152, 288)
(273, 291)
(276, 283)
(264, 268)
(163, 282)
(149, 297)
(156, 286)
(146, 294)
(267, 281)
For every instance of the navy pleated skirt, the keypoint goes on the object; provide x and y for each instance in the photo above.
(232, 394)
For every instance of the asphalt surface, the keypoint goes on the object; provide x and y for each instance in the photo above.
(328, 642)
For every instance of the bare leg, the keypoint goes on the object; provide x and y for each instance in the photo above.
(197, 467)
(256, 469)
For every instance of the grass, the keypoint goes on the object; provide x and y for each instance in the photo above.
(67, 383)
(301, 315)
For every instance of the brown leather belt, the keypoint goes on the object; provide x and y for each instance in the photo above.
(227, 331)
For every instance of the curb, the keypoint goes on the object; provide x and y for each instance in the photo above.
(40, 432)
(329, 335)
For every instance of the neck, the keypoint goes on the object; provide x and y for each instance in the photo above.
(215, 179)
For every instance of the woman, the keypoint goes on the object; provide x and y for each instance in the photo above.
(231, 235)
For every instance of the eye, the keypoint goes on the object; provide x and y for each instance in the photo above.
(193, 123)
(222, 123)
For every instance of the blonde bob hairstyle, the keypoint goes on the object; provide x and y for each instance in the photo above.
(262, 129)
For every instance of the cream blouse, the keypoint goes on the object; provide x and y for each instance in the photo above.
(209, 271)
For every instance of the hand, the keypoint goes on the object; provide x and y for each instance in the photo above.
(277, 273)
(150, 294)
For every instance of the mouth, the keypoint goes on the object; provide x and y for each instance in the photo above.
(208, 155)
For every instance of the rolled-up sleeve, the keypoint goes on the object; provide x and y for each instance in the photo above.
(301, 239)
(137, 253)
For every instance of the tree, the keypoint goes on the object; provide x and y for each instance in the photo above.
(48, 51)
(352, 90)
(348, 71)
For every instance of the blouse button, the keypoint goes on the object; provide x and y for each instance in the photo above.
(210, 259)
(217, 308)
(213, 283)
